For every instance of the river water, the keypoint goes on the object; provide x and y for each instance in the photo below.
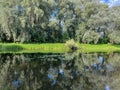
(69, 71)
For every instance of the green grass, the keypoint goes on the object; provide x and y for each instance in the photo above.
(99, 48)
(33, 48)
(55, 48)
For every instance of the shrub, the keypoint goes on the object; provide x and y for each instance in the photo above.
(72, 45)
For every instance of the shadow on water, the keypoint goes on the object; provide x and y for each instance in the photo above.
(10, 48)
(70, 71)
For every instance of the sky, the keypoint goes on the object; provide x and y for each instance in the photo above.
(111, 3)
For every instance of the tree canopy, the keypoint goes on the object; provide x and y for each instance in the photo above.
(41, 21)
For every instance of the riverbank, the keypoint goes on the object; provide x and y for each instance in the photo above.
(55, 48)
(99, 48)
(33, 48)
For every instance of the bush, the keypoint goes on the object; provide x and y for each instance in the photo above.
(72, 45)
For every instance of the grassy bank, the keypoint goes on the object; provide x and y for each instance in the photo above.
(54, 48)
(99, 48)
(33, 48)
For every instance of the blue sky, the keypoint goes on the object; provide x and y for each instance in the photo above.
(111, 3)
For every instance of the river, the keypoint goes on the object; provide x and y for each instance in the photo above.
(67, 71)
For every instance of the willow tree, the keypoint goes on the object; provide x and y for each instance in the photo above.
(35, 19)
(23, 19)
(90, 20)
(8, 10)
(57, 21)
(114, 25)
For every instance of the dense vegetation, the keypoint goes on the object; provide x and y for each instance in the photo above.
(41, 21)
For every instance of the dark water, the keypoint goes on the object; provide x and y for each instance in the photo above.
(70, 71)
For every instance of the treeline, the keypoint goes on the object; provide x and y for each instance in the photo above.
(41, 21)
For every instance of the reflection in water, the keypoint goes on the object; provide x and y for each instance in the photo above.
(71, 71)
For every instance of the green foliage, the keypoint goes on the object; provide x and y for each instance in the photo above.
(72, 45)
(51, 21)
(90, 37)
(114, 37)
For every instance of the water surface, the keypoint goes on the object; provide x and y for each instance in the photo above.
(70, 71)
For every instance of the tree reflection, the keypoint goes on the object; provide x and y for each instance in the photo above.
(72, 71)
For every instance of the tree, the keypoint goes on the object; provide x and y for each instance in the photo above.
(114, 37)
(90, 37)
(57, 21)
